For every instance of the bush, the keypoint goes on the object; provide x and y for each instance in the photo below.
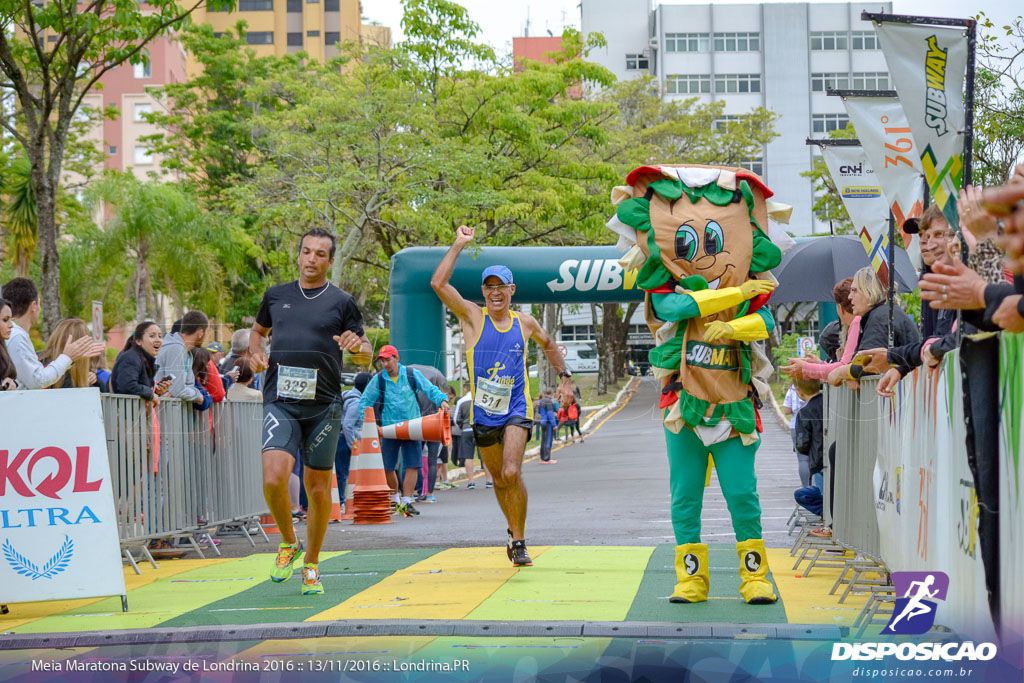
(785, 350)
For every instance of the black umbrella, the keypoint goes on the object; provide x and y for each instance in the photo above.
(811, 269)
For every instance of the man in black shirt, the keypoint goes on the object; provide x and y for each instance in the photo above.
(314, 322)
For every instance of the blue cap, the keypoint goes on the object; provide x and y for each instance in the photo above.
(501, 272)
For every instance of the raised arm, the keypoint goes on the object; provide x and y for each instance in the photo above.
(466, 311)
(538, 334)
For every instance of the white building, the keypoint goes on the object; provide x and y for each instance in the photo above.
(781, 56)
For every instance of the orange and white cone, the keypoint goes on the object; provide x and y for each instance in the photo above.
(372, 496)
(268, 524)
(350, 485)
(335, 499)
(436, 427)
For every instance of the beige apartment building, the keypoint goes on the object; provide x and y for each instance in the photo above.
(274, 27)
(281, 27)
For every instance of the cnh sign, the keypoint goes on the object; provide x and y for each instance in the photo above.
(542, 275)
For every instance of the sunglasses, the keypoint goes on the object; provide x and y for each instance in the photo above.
(496, 288)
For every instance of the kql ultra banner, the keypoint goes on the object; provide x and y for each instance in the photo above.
(58, 533)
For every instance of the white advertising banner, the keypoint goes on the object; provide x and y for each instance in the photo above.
(1011, 483)
(926, 504)
(927, 65)
(888, 144)
(58, 532)
(862, 196)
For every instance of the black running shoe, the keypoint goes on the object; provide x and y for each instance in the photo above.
(408, 510)
(518, 554)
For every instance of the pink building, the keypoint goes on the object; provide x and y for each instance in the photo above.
(535, 49)
(126, 87)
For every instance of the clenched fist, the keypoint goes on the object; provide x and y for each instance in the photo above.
(464, 235)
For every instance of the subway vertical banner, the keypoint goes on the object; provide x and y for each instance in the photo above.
(927, 65)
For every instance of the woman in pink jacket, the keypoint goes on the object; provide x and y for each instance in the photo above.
(810, 368)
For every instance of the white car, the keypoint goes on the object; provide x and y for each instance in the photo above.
(580, 357)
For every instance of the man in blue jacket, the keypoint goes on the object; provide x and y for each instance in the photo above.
(392, 395)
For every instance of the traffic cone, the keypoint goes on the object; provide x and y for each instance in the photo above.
(372, 496)
(335, 499)
(436, 427)
(268, 524)
(350, 485)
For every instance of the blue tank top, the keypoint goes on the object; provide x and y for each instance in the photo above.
(500, 356)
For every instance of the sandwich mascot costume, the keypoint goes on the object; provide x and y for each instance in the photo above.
(699, 237)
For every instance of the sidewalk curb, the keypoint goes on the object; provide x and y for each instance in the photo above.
(782, 419)
(631, 386)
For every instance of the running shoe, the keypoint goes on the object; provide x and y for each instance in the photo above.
(518, 554)
(419, 498)
(311, 580)
(429, 499)
(286, 556)
(408, 510)
(471, 485)
(489, 485)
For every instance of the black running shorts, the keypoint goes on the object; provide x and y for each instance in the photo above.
(488, 436)
(310, 428)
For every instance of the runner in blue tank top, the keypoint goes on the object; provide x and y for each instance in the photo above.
(502, 410)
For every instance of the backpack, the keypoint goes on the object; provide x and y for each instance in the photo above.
(573, 411)
(427, 406)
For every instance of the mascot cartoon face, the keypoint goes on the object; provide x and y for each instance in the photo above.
(699, 226)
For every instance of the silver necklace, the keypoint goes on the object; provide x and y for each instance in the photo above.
(310, 298)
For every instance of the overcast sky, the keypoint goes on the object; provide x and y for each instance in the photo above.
(500, 21)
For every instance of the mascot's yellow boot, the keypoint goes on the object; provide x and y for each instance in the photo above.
(692, 573)
(755, 587)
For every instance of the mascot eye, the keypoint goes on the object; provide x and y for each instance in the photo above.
(686, 242)
(714, 238)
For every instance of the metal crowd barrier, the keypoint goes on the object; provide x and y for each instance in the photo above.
(177, 472)
(853, 421)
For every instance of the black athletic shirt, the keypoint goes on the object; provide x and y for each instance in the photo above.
(303, 332)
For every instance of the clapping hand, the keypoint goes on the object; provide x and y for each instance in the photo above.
(83, 347)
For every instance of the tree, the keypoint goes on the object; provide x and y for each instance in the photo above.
(207, 138)
(999, 101)
(828, 203)
(49, 80)
(171, 247)
(207, 119)
(362, 148)
(21, 214)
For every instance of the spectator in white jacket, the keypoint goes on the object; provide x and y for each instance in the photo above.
(23, 297)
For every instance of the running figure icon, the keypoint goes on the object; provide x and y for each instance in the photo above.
(915, 606)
